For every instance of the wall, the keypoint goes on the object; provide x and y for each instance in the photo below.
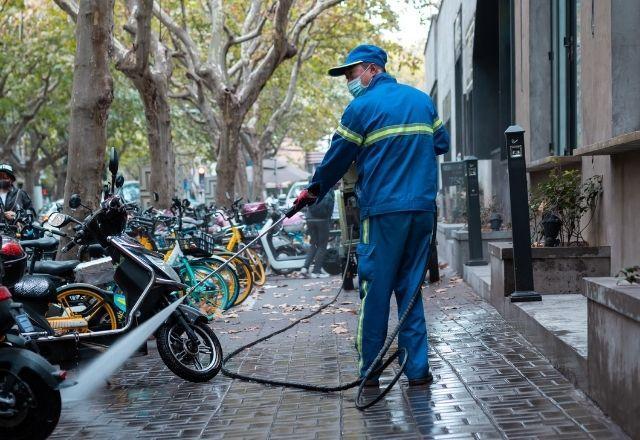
(610, 106)
(440, 61)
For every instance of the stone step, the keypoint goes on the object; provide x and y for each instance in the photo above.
(557, 325)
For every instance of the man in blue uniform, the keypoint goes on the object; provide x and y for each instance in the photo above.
(393, 133)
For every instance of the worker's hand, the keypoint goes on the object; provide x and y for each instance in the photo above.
(10, 215)
(305, 198)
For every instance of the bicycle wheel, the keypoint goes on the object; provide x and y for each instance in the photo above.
(257, 268)
(81, 309)
(228, 273)
(211, 295)
(245, 276)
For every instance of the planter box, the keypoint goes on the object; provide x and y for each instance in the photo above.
(614, 350)
(445, 240)
(460, 246)
(555, 270)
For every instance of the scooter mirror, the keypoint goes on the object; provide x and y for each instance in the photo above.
(186, 203)
(75, 201)
(113, 162)
(119, 181)
(57, 220)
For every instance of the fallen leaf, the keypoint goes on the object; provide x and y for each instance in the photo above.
(339, 330)
(440, 290)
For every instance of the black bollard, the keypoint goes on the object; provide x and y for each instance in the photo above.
(473, 212)
(518, 194)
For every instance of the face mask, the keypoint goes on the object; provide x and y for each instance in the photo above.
(5, 184)
(355, 86)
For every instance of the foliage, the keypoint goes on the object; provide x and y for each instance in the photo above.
(565, 196)
(631, 274)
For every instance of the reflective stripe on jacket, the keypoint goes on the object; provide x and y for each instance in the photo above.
(393, 133)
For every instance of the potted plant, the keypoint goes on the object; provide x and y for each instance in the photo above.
(551, 225)
(559, 205)
(491, 215)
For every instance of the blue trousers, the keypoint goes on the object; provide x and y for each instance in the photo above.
(392, 255)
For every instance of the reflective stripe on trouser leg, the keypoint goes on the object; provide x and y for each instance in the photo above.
(378, 263)
(363, 291)
(413, 334)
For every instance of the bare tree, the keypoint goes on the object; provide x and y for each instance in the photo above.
(18, 129)
(151, 80)
(226, 83)
(91, 98)
(257, 142)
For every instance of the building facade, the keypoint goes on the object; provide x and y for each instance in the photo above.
(567, 72)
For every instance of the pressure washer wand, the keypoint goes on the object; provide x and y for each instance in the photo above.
(290, 213)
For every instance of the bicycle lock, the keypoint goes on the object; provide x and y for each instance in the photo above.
(373, 370)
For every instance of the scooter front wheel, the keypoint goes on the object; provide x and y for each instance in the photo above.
(30, 409)
(193, 361)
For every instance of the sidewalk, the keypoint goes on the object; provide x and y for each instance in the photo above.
(490, 382)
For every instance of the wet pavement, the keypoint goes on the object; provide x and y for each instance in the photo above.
(490, 382)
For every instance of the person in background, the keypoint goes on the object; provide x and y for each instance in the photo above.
(318, 227)
(12, 199)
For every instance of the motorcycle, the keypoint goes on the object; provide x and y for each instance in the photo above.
(30, 386)
(186, 344)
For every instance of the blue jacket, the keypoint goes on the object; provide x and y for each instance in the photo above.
(393, 133)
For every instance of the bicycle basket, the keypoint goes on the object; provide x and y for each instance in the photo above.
(197, 242)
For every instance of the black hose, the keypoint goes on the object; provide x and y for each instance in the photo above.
(360, 382)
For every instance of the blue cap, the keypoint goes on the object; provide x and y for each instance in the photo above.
(365, 53)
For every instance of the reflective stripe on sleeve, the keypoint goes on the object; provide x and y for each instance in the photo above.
(349, 135)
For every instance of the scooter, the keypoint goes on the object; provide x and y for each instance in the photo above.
(280, 259)
(186, 344)
(30, 386)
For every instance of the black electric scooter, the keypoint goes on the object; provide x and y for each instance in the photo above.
(29, 385)
(186, 343)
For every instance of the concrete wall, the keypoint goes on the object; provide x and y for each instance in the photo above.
(625, 65)
(609, 105)
(440, 57)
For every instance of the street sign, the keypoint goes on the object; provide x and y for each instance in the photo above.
(453, 173)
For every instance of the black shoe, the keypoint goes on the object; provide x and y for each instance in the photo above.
(427, 380)
(370, 383)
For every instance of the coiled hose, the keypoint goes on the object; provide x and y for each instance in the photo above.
(372, 371)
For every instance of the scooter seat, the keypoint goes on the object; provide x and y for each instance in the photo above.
(33, 287)
(59, 268)
(44, 243)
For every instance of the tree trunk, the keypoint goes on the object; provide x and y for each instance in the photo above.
(156, 108)
(60, 173)
(242, 180)
(91, 96)
(257, 188)
(30, 174)
(227, 160)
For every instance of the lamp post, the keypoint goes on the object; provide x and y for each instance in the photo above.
(518, 194)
